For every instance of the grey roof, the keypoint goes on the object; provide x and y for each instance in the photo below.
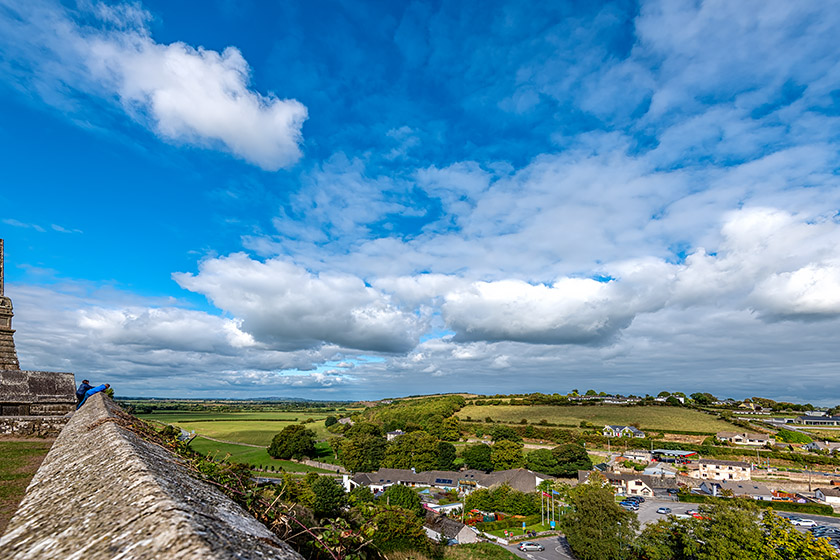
(673, 452)
(518, 479)
(443, 525)
(741, 464)
(740, 487)
(651, 481)
(833, 491)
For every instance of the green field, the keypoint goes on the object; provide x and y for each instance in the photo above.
(257, 428)
(661, 418)
(19, 459)
(255, 456)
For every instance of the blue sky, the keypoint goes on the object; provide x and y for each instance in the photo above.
(361, 200)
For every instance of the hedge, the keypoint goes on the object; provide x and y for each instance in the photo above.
(815, 509)
(508, 523)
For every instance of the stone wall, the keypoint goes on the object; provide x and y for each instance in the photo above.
(32, 426)
(29, 393)
(103, 492)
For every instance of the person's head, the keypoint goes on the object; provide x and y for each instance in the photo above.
(107, 385)
(85, 381)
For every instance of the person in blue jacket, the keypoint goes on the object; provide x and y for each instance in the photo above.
(89, 392)
(80, 392)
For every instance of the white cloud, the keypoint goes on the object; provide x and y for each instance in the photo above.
(289, 308)
(185, 94)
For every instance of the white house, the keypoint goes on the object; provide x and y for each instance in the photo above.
(829, 495)
(709, 469)
(439, 527)
(746, 438)
(622, 431)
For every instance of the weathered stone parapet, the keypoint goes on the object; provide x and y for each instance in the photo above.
(32, 426)
(103, 492)
(35, 393)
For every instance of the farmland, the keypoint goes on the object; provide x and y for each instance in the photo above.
(256, 456)
(256, 428)
(660, 418)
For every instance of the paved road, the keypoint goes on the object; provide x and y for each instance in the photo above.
(556, 548)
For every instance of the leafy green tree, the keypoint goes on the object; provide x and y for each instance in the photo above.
(506, 454)
(362, 452)
(330, 497)
(330, 420)
(478, 457)
(416, 449)
(360, 495)
(364, 428)
(445, 456)
(703, 399)
(597, 528)
(734, 529)
(542, 461)
(571, 458)
(402, 496)
(502, 432)
(451, 429)
(293, 442)
(398, 529)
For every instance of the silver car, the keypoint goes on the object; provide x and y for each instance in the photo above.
(531, 546)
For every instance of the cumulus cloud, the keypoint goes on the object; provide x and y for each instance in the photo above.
(185, 94)
(290, 308)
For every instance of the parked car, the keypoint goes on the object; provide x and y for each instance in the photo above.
(664, 510)
(802, 522)
(630, 506)
(531, 546)
(692, 511)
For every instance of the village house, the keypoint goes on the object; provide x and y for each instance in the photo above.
(827, 446)
(746, 438)
(750, 489)
(637, 455)
(391, 435)
(830, 495)
(811, 420)
(439, 527)
(711, 469)
(622, 431)
(462, 481)
(631, 484)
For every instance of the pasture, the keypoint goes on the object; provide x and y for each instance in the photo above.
(257, 428)
(258, 457)
(661, 418)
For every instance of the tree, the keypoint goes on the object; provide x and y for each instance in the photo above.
(571, 458)
(503, 432)
(330, 420)
(451, 429)
(362, 452)
(478, 457)
(416, 449)
(506, 454)
(703, 399)
(360, 495)
(402, 496)
(542, 461)
(364, 428)
(597, 528)
(329, 497)
(445, 456)
(293, 442)
(398, 529)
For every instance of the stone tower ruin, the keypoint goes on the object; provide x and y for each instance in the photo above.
(8, 356)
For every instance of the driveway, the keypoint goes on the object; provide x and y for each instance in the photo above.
(556, 548)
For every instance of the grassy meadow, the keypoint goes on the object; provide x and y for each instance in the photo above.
(257, 428)
(662, 418)
(258, 457)
(19, 459)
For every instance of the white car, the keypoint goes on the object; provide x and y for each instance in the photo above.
(803, 522)
(664, 510)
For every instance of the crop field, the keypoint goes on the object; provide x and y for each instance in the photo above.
(662, 418)
(257, 428)
(258, 457)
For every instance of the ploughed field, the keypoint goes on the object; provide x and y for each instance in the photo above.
(661, 418)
